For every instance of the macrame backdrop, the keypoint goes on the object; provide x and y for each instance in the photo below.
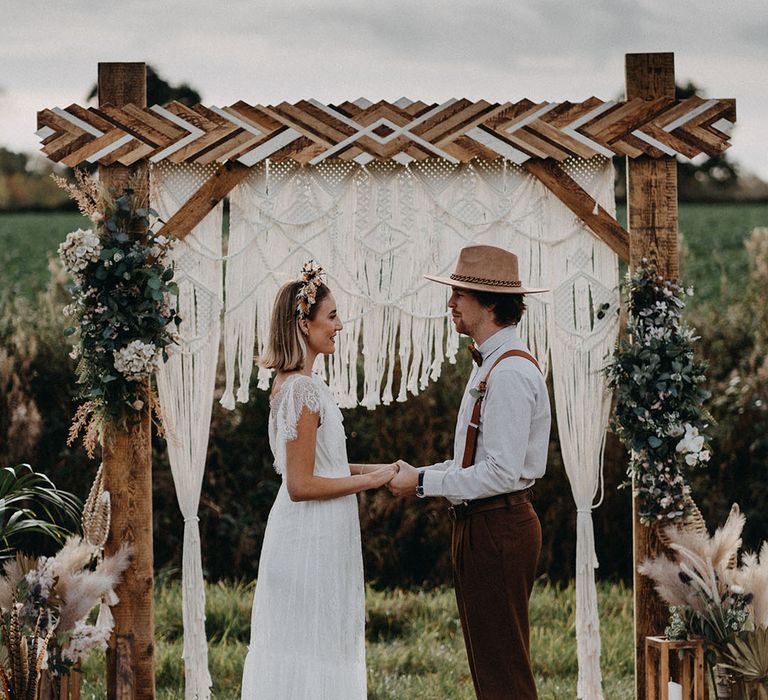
(186, 384)
(584, 326)
(377, 229)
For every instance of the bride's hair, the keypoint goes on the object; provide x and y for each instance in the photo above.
(286, 349)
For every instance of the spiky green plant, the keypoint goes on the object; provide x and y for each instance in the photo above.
(31, 503)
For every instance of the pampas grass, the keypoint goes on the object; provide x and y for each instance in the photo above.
(81, 588)
(752, 576)
(701, 572)
(13, 572)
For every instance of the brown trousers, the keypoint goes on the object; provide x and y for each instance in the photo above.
(494, 556)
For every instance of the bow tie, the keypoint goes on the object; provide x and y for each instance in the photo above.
(476, 356)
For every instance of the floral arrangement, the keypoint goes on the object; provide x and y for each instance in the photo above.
(312, 276)
(124, 323)
(715, 597)
(47, 602)
(659, 412)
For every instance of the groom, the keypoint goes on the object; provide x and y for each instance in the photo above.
(500, 449)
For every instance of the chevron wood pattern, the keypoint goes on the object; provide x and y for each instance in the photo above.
(456, 130)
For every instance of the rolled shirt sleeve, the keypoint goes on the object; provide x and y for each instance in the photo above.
(512, 442)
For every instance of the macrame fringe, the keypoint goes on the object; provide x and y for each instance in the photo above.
(378, 230)
(186, 384)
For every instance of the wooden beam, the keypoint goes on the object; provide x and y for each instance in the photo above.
(581, 203)
(652, 217)
(307, 129)
(212, 191)
(127, 457)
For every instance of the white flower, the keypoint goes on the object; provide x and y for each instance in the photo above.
(84, 638)
(41, 579)
(118, 256)
(137, 360)
(691, 442)
(704, 455)
(78, 250)
(676, 430)
(159, 246)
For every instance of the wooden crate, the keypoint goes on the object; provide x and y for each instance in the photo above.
(687, 669)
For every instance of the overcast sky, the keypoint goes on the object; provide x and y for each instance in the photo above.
(266, 51)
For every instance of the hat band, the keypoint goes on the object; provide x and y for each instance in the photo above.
(483, 280)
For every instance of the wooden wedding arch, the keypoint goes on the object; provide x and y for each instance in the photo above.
(650, 128)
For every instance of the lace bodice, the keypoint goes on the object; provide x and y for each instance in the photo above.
(297, 393)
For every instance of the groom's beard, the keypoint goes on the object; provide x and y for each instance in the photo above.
(460, 327)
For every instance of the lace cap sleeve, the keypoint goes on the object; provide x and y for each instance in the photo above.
(300, 392)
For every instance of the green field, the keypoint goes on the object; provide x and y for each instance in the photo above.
(414, 644)
(415, 650)
(713, 255)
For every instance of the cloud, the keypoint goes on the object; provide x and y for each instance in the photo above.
(341, 49)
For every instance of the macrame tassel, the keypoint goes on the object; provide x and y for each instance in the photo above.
(584, 327)
(105, 620)
(186, 384)
(245, 280)
(590, 680)
(195, 653)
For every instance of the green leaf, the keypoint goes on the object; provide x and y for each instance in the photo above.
(654, 441)
(69, 330)
(154, 283)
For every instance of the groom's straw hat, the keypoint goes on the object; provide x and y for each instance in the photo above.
(485, 268)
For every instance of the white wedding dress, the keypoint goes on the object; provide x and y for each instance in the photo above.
(307, 626)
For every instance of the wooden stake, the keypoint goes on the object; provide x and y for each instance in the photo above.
(127, 457)
(652, 218)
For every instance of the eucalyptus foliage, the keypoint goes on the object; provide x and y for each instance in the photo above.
(124, 323)
(659, 386)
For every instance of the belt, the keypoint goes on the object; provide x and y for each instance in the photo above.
(503, 500)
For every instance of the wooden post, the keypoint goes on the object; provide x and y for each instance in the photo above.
(127, 457)
(652, 219)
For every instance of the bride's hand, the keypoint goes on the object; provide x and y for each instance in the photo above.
(381, 476)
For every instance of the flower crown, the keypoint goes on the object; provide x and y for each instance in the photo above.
(312, 277)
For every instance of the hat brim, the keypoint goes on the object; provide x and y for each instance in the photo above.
(473, 286)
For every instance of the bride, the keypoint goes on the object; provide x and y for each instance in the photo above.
(307, 626)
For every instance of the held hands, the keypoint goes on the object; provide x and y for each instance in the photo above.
(405, 481)
(382, 475)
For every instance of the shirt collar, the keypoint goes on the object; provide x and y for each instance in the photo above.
(500, 337)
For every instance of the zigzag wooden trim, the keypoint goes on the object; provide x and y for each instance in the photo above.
(457, 131)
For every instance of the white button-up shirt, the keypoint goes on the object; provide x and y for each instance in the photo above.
(514, 428)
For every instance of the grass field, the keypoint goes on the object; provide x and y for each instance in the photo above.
(415, 650)
(714, 259)
(414, 645)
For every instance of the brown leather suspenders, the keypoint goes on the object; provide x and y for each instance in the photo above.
(470, 447)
